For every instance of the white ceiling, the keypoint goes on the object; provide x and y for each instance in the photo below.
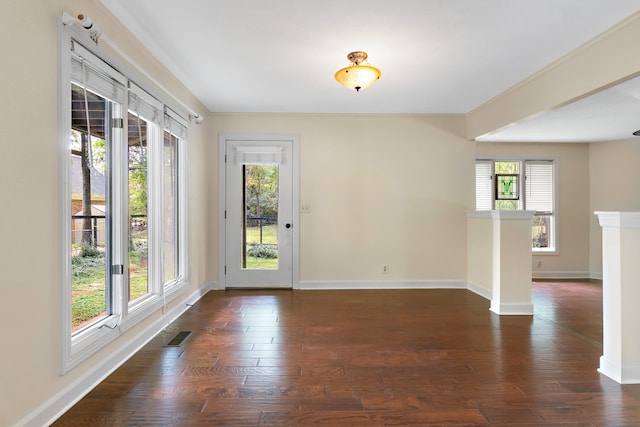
(436, 56)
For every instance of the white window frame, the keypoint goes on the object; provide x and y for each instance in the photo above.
(153, 221)
(173, 287)
(77, 347)
(522, 186)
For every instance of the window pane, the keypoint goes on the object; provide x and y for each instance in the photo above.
(507, 167)
(137, 160)
(260, 223)
(170, 206)
(507, 205)
(541, 232)
(90, 294)
(539, 198)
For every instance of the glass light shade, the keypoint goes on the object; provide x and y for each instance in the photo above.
(357, 76)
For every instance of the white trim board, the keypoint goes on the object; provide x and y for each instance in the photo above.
(565, 275)
(511, 309)
(480, 290)
(382, 284)
(622, 374)
(215, 286)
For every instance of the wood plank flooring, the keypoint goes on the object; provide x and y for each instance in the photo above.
(370, 358)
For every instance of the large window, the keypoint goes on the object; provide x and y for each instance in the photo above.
(521, 185)
(124, 201)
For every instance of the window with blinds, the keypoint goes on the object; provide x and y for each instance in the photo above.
(539, 197)
(123, 199)
(536, 183)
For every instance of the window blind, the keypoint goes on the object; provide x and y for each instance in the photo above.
(258, 155)
(87, 70)
(144, 105)
(484, 186)
(539, 186)
(175, 124)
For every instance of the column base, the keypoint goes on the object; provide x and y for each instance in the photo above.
(520, 309)
(618, 373)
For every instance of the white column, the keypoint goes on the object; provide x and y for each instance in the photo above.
(499, 264)
(512, 262)
(620, 296)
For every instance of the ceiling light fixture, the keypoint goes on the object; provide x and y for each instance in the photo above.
(357, 76)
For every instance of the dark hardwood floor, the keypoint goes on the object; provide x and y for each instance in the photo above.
(374, 358)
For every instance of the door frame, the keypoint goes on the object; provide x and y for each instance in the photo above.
(222, 188)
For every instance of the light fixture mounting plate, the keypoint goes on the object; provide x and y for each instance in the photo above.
(357, 57)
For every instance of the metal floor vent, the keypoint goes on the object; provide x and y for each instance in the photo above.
(178, 339)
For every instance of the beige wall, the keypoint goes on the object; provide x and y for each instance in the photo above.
(480, 254)
(614, 175)
(572, 258)
(382, 189)
(30, 291)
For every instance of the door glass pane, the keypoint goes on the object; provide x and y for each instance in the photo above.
(137, 160)
(90, 294)
(260, 220)
(170, 206)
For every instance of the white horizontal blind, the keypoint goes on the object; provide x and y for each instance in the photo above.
(539, 187)
(484, 186)
(142, 104)
(87, 70)
(259, 155)
(175, 124)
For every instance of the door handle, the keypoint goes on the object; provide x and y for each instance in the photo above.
(287, 225)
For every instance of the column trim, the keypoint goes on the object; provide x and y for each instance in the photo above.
(618, 219)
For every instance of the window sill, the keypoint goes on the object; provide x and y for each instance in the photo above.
(544, 251)
(87, 342)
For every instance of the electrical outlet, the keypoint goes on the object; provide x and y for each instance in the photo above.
(305, 208)
(385, 268)
(539, 264)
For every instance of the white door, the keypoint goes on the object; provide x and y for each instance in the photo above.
(259, 214)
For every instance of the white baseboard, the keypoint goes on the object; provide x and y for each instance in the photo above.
(618, 373)
(507, 309)
(58, 404)
(215, 286)
(382, 284)
(479, 290)
(564, 275)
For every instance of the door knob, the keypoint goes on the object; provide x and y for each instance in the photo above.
(287, 225)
